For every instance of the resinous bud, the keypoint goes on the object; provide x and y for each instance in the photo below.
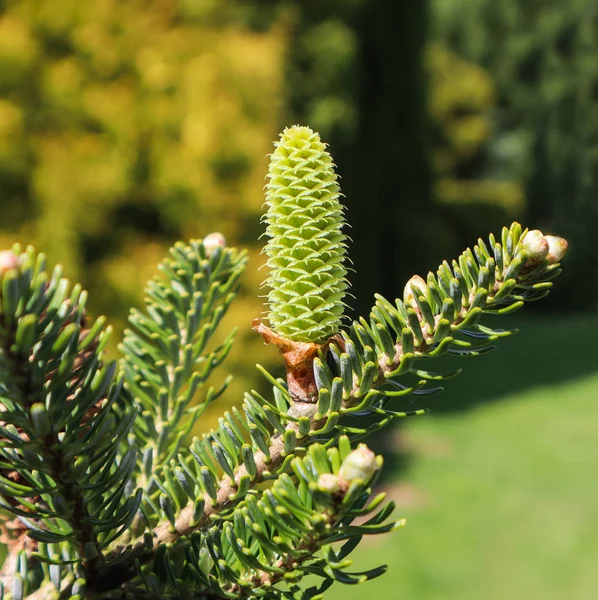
(8, 261)
(329, 483)
(359, 464)
(536, 246)
(213, 242)
(557, 248)
(416, 282)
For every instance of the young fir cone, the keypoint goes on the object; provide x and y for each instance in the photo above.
(307, 247)
(306, 251)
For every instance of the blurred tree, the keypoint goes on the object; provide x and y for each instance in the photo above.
(542, 56)
(393, 103)
(127, 125)
(121, 121)
(357, 75)
(476, 185)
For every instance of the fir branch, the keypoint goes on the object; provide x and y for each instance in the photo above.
(237, 557)
(304, 422)
(165, 361)
(367, 387)
(58, 432)
(167, 533)
(19, 366)
(437, 316)
(202, 525)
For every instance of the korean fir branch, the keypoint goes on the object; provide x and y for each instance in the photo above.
(64, 465)
(165, 357)
(358, 370)
(307, 280)
(380, 358)
(352, 372)
(301, 525)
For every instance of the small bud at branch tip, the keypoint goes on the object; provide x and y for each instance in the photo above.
(329, 483)
(212, 242)
(416, 282)
(536, 246)
(362, 463)
(557, 248)
(8, 261)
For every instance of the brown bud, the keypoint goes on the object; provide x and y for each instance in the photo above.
(557, 248)
(416, 282)
(536, 246)
(212, 242)
(329, 483)
(360, 464)
(8, 261)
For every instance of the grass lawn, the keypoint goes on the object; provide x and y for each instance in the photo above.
(501, 493)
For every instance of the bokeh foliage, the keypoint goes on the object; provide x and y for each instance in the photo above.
(542, 58)
(127, 125)
(473, 182)
(414, 125)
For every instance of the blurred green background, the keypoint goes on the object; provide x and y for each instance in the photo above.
(127, 124)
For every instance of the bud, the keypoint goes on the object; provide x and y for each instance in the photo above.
(360, 464)
(91, 551)
(8, 261)
(536, 246)
(416, 282)
(212, 242)
(329, 483)
(557, 248)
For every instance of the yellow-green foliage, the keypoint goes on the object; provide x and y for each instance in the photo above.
(125, 125)
(542, 56)
(462, 106)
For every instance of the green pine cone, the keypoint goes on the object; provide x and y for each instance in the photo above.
(307, 247)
